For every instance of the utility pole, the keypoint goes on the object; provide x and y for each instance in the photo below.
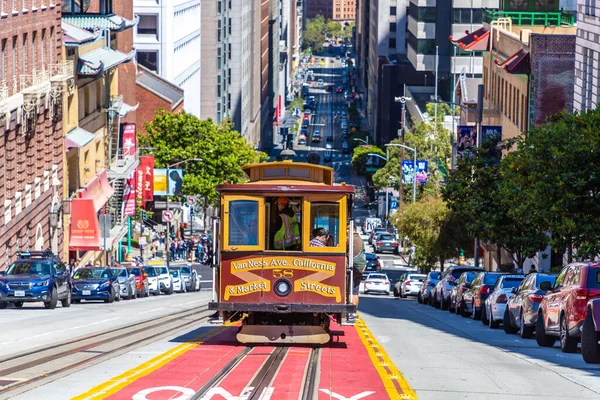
(479, 128)
(403, 101)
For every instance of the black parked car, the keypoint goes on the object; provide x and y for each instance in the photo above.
(475, 297)
(441, 292)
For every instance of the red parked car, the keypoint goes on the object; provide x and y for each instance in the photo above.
(141, 280)
(564, 307)
(590, 334)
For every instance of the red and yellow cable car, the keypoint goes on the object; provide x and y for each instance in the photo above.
(271, 268)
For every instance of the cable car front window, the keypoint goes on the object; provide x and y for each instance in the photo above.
(243, 223)
(327, 216)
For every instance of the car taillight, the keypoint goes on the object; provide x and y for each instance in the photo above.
(536, 298)
(484, 290)
(395, 243)
(581, 294)
(501, 299)
(378, 263)
(379, 243)
(407, 283)
(387, 282)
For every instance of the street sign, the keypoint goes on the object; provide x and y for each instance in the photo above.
(167, 216)
(191, 200)
(160, 228)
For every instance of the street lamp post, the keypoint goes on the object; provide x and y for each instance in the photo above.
(168, 236)
(414, 165)
(360, 140)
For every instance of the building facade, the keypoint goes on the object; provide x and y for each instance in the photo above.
(337, 10)
(33, 79)
(168, 42)
(587, 57)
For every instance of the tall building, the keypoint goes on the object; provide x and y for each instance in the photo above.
(33, 78)
(167, 40)
(337, 10)
(587, 62)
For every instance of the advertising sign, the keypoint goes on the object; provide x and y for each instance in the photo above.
(466, 141)
(408, 170)
(129, 196)
(160, 181)
(145, 180)
(129, 140)
(491, 138)
(84, 229)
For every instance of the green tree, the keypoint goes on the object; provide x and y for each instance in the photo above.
(298, 102)
(333, 29)
(182, 136)
(553, 181)
(433, 229)
(313, 40)
(348, 30)
(360, 158)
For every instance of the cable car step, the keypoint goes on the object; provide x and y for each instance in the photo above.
(283, 334)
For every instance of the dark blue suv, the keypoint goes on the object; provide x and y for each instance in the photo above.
(36, 276)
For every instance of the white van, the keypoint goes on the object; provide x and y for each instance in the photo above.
(370, 224)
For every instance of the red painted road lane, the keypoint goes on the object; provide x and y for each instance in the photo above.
(290, 378)
(347, 370)
(242, 374)
(192, 369)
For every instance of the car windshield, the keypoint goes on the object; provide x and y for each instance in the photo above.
(458, 272)
(30, 268)
(490, 279)
(150, 271)
(469, 276)
(91, 273)
(162, 270)
(594, 278)
(386, 237)
(511, 282)
(185, 270)
(544, 278)
(120, 272)
(377, 276)
(379, 230)
(175, 273)
(419, 278)
(135, 271)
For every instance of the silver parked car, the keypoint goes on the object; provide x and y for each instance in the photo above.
(190, 278)
(385, 242)
(495, 304)
(126, 282)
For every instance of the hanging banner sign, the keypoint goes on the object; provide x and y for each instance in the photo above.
(466, 141)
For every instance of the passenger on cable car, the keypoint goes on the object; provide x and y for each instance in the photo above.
(321, 238)
(286, 227)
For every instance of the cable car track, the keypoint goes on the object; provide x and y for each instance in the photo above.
(28, 368)
(261, 381)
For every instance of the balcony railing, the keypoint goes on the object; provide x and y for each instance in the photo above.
(37, 82)
(528, 18)
(3, 91)
(123, 164)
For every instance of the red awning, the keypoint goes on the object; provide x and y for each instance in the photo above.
(85, 229)
(473, 41)
(98, 190)
(518, 63)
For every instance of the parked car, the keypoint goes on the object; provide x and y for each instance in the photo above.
(385, 242)
(398, 283)
(456, 294)
(379, 283)
(141, 281)
(178, 284)
(305, 123)
(316, 136)
(474, 298)
(564, 307)
(126, 282)
(153, 285)
(430, 281)
(373, 263)
(36, 276)
(495, 305)
(375, 232)
(442, 289)
(411, 285)
(302, 139)
(590, 333)
(190, 277)
(329, 143)
(95, 283)
(165, 281)
(522, 308)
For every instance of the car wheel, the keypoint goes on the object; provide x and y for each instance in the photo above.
(526, 332)
(18, 304)
(484, 317)
(3, 305)
(568, 344)
(387, 293)
(76, 301)
(396, 294)
(463, 312)
(476, 315)
(402, 295)
(66, 302)
(170, 289)
(53, 300)
(493, 324)
(452, 309)
(590, 348)
(445, 304)
(541, 338)
(419, 298)
(111, 297)
(508, 328)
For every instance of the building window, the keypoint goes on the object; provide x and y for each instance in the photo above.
(392, 10)
(467, 16)
(24, 54)
(14, 58)
(392, 27)
(422, 14)
(50, 49)
(421, 46)
(33, 48)
(3, 60)
(148, 25)
(42, 47)
(392, 44)
(148, 59)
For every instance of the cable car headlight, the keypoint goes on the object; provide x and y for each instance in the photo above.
(282, 287)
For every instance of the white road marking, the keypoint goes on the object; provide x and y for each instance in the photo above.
(150, 311)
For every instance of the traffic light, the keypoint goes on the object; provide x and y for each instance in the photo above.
(191, 211)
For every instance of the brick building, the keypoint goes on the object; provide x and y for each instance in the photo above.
(154, 93)
(33, 77)
(337, 10)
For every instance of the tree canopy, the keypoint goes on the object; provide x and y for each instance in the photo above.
(361, 156)
(182, 136)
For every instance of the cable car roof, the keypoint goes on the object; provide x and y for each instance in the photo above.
(300, 173)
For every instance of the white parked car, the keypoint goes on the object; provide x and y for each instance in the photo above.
(379, 283)
(495, 304)
(153, 287)
(165, 280)
(178, 284)
(412, 285)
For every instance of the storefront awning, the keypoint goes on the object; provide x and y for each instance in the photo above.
(78, 138)
(85, 229)
(98, 190)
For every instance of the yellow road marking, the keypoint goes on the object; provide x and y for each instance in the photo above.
(380, 361)
(117, 383)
